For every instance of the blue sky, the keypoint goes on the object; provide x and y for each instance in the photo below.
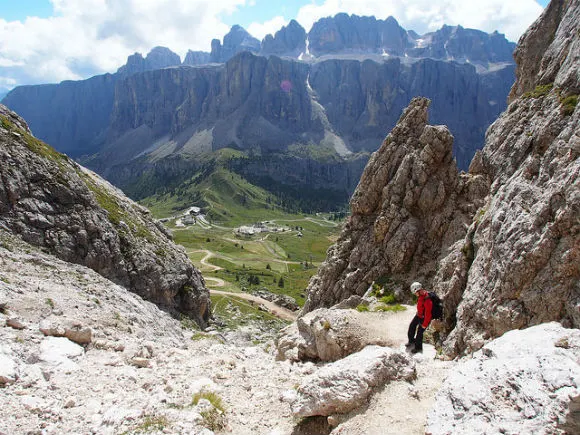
(47, 41)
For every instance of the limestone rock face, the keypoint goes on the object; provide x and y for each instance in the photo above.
(529, 378)
(344, 33)
(290, 40)
(525, 241)
(193, 58)
(345, 385)
(54, 203)
(329, 335)
(409, 207)
(158, 57)
(459, 44)
(236, 41)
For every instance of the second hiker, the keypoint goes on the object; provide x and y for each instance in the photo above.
(421, 320)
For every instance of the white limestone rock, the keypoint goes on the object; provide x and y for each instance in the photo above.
(60, 352)
(328, 335)
(525, 382)
(8, 369)
(345, 385)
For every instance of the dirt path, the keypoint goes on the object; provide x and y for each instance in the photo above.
(217, 282)
(400, 407)
(203, 261)
(274, 309)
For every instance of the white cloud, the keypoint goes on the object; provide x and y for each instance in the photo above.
(511, 17)
(259, 30)
(87, 37)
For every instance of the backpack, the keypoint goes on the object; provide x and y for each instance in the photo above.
(437, 310)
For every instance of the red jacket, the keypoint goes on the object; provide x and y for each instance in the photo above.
(424, 309)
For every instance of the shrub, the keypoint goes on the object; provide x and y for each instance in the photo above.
(211, 397)
(362, 308)
(388, 300)
(214, 418)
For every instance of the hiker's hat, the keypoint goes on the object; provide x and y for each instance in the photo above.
(416, 286)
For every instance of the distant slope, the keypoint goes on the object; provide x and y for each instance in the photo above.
(230, 197)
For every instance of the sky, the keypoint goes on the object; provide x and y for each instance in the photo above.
(47, 41)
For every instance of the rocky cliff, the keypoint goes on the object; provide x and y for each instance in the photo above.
(501, 244)
(158, 57)
(352, 33)
(53, 203)
(266, 104)
(236, 41)
(73, 114)
(526, 239)
(193, 58)
(289, 41)
(409, 207)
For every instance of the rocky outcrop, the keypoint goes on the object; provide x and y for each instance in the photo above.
(283, 301)
(54, 203)
(463, 45)
(74, 115)
(158, 57)
(352, 33)
(410, 206)
(289, 41)
(523, 382)
(193, 58)
(329, 335)
(345, 385)
(525, 241)
(236, 41)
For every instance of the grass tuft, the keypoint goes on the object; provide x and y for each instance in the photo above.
(539, 91)
(569, 104)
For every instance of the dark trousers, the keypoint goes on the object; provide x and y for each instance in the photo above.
(415, 333)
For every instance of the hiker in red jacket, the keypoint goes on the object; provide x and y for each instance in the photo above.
(421, 319)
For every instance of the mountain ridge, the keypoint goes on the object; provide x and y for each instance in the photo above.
(345, 100)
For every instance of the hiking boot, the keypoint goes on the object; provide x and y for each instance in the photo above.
(409, 344)
(417, 350)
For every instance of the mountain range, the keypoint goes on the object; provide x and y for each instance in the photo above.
(336, 91)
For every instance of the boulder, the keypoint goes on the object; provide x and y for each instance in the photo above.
(8, 373)
(342, 386)
(60, 352)
(79, 334)
(329, 335)
(15, 323)
(525, 382)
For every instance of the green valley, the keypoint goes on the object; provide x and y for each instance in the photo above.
(239, 235)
